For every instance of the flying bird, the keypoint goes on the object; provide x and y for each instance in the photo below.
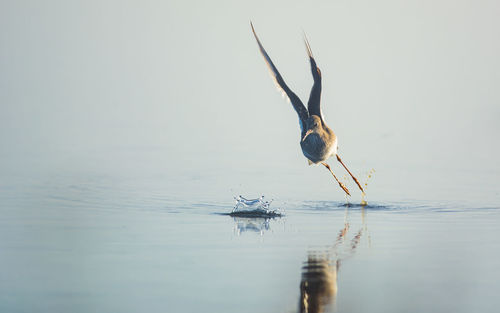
(317, 140)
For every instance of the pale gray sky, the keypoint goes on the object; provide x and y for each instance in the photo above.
(405, 83)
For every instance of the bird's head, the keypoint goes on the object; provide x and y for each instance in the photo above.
(313, 124)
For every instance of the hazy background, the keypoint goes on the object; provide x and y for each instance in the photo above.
(178, 89)
(125, 126)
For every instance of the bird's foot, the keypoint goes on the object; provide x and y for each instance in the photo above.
(344, 188)
(359, 185)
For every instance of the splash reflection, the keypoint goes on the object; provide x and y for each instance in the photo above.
(251, 224)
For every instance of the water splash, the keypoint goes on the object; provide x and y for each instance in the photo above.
(345, 181)
(254, 208)
(365, 184)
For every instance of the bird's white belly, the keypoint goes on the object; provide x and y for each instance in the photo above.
(333, 149)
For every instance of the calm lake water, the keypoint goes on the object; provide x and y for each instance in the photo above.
(146, 241)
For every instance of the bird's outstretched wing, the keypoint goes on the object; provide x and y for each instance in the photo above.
(280, 83)
(313, 105)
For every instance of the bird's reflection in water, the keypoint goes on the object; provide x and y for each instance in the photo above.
(318, 286)
(252, 224)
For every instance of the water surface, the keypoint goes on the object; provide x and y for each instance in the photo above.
(105, 243)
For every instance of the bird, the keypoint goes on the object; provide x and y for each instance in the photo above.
(317, 140)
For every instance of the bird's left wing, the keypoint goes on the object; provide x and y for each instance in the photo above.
(280, 83)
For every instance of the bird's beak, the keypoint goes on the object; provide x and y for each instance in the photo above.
(307, 134)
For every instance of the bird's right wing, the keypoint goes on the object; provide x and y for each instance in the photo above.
(280, 83)
(313, 105)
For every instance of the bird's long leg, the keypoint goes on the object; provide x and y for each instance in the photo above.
(354, 178)
(340, 184)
